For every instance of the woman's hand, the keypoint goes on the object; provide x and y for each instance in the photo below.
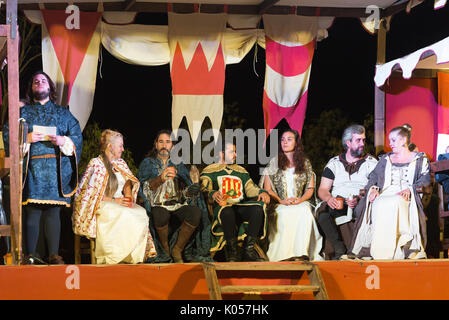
(405, 194)
(125, 201)
(292, 201)
(33, 137)
(373, 194)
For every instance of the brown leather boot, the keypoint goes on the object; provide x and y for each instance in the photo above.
(55, 259)
(163, 237)
(183, 237)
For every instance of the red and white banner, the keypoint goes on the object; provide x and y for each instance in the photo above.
(289, 46)
(70, 58)
(197, 68)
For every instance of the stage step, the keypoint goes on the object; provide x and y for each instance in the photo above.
(215, 290)
(275, 288)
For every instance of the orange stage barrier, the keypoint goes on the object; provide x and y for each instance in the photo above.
(344, 280)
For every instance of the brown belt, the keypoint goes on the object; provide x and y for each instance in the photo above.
(44, 156)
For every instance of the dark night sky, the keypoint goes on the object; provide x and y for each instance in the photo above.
(136, 100)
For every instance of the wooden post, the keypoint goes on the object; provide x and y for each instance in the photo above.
(13, 112)
(379, 95)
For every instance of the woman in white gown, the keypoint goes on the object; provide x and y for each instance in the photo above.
(290, 181)
(392, 224)
(105, 207)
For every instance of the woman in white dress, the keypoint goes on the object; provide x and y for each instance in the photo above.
(392, 224)
(290, 181)
(105, 207)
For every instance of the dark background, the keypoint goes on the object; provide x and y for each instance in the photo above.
(136, 100)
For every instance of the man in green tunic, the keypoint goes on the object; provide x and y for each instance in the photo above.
(231, 188)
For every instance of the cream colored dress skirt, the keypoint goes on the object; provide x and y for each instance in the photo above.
(392, 229)
(297, 234)
(122, 234)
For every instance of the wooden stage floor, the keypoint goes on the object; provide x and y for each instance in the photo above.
(344, 280)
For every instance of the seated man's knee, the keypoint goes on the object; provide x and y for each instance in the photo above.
(194, 216)
(258, 211)
(227, 214)
(324, 217)
(161, 217)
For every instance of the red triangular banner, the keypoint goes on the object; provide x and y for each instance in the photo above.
(70, 44)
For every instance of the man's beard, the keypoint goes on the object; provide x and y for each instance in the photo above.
(356, 153)
(41, 95)
(161, 153)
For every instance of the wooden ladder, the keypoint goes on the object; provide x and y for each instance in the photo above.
(215, 289)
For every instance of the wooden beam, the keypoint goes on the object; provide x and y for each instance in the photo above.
(438, 166)
(267, 6)
(13, 114)
(128, 5)
(379, 94)
(390, 11)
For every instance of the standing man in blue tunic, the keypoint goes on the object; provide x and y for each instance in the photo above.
(53, 148)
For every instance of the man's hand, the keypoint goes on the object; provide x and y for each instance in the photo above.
(57, 140)
(264, 197)
(33, 137)
(351, 202)
(219, 198)
(168, 173)
(332, 202)
(193, 189)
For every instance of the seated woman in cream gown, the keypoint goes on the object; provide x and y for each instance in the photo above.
(105, 207)
(290, 181)
(392, 224)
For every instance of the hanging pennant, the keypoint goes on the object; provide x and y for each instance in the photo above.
(197, 68)
(70, 58)
(289, 46)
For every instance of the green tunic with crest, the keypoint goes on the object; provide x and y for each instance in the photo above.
(235, 183)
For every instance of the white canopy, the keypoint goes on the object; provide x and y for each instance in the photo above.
(435, 56)
(305, 3)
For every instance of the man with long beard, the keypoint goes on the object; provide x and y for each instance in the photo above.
(343, 177)
(177, 212)
(51, 166)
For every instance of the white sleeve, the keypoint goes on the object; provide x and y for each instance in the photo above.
(68, 147)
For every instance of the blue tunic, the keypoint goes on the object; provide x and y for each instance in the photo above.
(50, 180)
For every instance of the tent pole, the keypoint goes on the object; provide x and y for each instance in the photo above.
(379, 94)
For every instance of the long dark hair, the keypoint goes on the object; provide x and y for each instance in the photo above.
(298, 154)
(153, 152)
(29, 94)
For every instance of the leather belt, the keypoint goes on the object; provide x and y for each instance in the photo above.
(44, 156)
(167, 203)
